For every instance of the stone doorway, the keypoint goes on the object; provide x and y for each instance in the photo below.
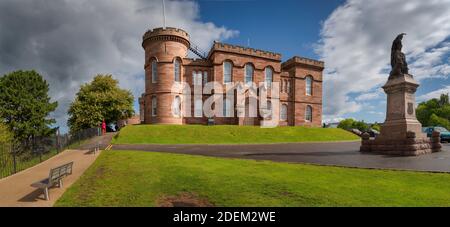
(251, 111)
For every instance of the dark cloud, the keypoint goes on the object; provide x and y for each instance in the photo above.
(69, 42)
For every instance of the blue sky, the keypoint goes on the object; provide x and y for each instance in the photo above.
(287, 27)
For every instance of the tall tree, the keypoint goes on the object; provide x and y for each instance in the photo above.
(435, 112)
(102, 99)
(25, 105)
(5, 134)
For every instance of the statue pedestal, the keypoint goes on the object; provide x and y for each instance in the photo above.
(401, 133)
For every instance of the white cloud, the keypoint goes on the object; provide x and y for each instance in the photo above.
(328, 120)
(356, 40)
(434, 94)
(369, 96)
(69, 42)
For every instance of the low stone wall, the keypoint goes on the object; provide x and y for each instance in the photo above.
(410, 146)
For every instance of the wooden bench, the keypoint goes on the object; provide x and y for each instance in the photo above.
(94, 150)
(55, 177)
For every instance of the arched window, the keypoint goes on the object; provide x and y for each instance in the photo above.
(227, 69)
(248, 73)
(288, 86)
(176, 106)
(283, 112)
(227, 108)
(177, 70)
(154, 104)
(205, 78)
(154, 71)
(308, 82)
(198, 108)
(308, 113)
(269, 110)
(197, 78)
(269, 76)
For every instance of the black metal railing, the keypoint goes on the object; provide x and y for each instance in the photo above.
(197, 51)
(15, 157)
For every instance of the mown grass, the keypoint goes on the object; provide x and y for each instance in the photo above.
(134, 178)
(226, 134)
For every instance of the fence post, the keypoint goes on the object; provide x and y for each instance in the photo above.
(13, 152)
(40, 154)
(57, 141)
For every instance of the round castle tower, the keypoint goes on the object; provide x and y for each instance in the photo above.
(164, 50)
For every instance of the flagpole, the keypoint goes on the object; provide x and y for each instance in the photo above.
(164, 13)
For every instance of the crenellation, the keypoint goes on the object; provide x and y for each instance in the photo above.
(218, 46)
(302, 60)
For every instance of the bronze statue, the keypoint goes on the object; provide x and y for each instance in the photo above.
(398, 59)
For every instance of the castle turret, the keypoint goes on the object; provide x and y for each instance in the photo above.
(164, 50)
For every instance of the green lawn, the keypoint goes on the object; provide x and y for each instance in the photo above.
(226, 134)
(133, 178)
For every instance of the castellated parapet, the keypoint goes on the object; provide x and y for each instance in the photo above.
(303, 61)
(244, 51)
(165, 34)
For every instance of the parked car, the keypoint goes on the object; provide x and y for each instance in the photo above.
(445, 134)
(356, 131)
(109, 128)
(373, 132)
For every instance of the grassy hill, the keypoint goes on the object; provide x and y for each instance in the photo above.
(226, 134)
(135, 178)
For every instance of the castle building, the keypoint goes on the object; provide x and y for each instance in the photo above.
(166, 63)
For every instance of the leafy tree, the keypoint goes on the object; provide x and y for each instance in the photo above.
(435, 112)
(5, 134)
(438, 121)
(361, 126)
(102, 99)
(25, 104)
(350, 123)
(346, 124)
(444, 100)
(376, 126)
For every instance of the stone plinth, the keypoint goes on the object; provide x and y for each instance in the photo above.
(401, 133)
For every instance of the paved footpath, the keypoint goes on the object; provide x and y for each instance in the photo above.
(335, 153)
(15, 190)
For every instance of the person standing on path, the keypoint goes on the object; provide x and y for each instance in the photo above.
(103, 127)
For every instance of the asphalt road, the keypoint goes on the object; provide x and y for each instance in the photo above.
(336, 154)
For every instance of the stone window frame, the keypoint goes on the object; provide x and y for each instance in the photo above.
(154, 69)
(177, 69)
(283, 112)
(227, 108)
(154, 106)
(269, 110)
(196, 77)
(245, 72)
(204, 78)
(310, 86)
(308, 113)
(177, 107)
(288, 86)
(198, 107)
(265, 76)
(231, 71)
